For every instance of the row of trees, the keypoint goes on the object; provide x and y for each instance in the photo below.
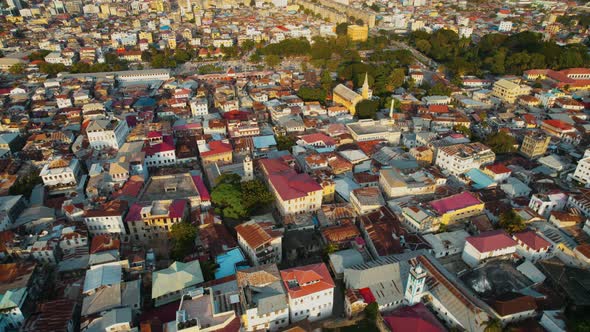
(497, 53)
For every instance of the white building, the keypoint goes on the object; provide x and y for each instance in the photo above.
(263, 299)
(582, 173)
(107, 219)
(44, 251)
(532, 246)
(261, 243)
(160, 154)
(107, 133)
(370, 130)
(505, 26)
(487, 245)
(199, 106)
(61, 173)
(543, 204)
(460, 158)
(465, 32)
(310, 291)
(447, 243)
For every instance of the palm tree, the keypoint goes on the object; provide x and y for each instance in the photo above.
(492, 325)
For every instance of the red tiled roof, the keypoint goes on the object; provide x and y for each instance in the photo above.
(498, 169)
(367, 295)
(203, 192)
(490, 241)
(310, 279)
(416, 318)
(455, 202)
(104, 243)
(256, 234)
(151, 150)
(438, 109)
(558, 124)
(217, 147)
(318, 137)
(532, 240)
(288, 183)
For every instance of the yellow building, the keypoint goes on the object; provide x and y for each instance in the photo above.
(172, 43)
(146, 35)
(346, 97)
(508, 91)
(424, 156)
(154, 221)
(358, 32)
(457, 207)
(535, 145)
(218, 152)
(105, 9)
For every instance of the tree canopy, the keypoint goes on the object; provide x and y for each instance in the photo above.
(501, 142)
(238, 200)
(497, 53)
(183, 236)
(511, 222)
(312, 94)
(367, 109)
(284, 142)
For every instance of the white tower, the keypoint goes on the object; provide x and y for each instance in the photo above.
(415, 286)
(248, 169)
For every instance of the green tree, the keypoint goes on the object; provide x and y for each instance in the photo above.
(463, 130)
(183, 236)
(501, 142)
(272, 60)
(367, 109)
(439, 89)
(38, 55)
(511, 222)
(326, 80)
(423, 46)
(396, 79)
(255, 195)
(182, 56)
(285, 142)
(255, 58)
(17, 68)
(248, 45)
(492, 325)
(228, 200)
(24, 184)
(330, 249)
(372, 311)
(311, 94)
(209, 268)
(342, 29)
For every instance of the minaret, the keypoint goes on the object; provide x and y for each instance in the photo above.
(365, 90)
(415, 286)
(391, 109)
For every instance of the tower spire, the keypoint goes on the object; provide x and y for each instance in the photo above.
(365, 90)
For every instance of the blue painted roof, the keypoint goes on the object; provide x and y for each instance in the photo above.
(479, 178)
(227, 263)
(145, 102)
(261, 142)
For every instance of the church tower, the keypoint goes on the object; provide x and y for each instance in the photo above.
(365, 90)
(415, 286)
